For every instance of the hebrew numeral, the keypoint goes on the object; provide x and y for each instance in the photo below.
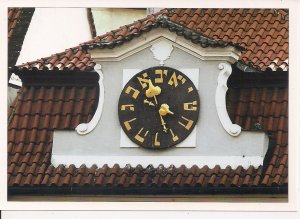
(156, 142)
(127, 124)
(135, 91)
(140, 138)
(127, 106)
(143, 81)
(160, 73)
(188, 124)
(190, 106)
(174, 79)
(190, 89)
(174, 137)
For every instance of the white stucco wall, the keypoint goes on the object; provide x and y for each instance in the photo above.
(213, 144)
(107, 19)
(53, 30)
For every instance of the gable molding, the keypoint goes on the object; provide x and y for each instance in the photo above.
(229, 53)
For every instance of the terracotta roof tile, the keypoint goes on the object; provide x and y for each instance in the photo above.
(239, 28)
(72, 59)
(35, 139)
(200, 179)
(213, 177)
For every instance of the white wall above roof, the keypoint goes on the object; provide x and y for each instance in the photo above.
(53, 30)
(53, 33)
(107, 19)
(229, 53)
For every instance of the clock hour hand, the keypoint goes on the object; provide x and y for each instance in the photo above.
(153, 91)
(164, 110)
(163, 123)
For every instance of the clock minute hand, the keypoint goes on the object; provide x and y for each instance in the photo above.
(153, 91)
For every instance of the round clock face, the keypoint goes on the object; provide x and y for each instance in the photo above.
(158, 107)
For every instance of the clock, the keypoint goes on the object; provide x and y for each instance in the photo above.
(158, 107)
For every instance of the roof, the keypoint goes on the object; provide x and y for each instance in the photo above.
(262, 33)
(39, 109)
(18, 23)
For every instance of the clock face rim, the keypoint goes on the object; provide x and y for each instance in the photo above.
(152, 69)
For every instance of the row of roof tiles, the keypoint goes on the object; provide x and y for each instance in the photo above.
(255, 29)
(262, 32)
(35, 175)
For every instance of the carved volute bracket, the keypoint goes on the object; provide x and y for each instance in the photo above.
(85, 128)
(220, 99)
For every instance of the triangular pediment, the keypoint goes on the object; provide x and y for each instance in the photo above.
(229, 53)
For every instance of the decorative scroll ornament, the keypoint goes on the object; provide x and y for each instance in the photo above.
(232, 129)
(85, 128)
(161, 51)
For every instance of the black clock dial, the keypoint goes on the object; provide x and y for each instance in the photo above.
(158, 107)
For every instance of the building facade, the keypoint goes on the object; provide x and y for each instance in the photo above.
(72, 127)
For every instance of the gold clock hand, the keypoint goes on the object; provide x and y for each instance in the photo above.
(163, 123)
(165, 109)
(153, 91)
(148, 102)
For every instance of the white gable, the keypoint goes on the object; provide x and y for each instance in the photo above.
(215, 140)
